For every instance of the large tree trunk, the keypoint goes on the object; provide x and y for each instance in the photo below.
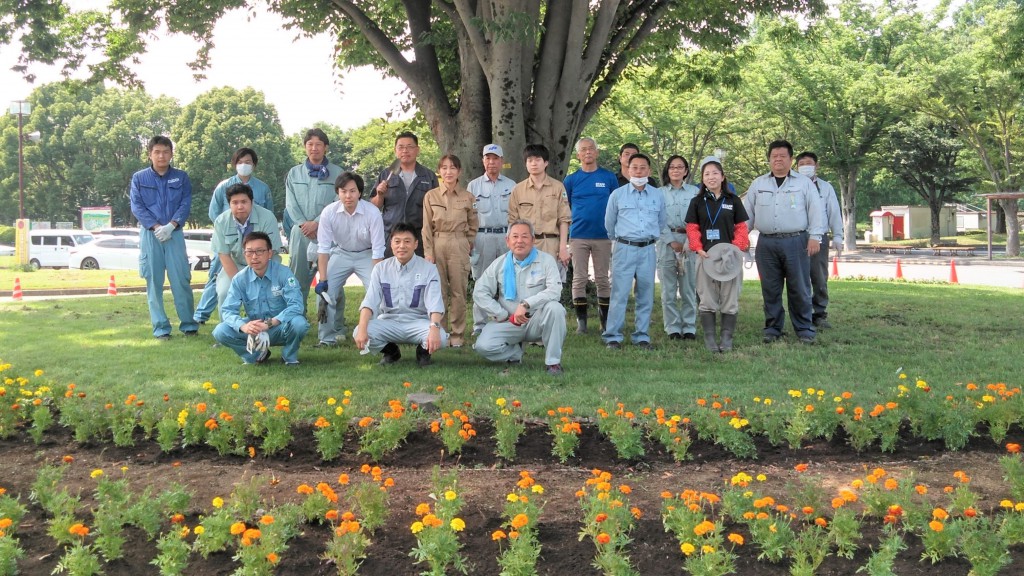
(848, 191)
(935, 207)
(1012, 226)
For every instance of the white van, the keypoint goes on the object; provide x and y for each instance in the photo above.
(52, 248)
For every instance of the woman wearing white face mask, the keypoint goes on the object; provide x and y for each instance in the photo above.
(243, 162)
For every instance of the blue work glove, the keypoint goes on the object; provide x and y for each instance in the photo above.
(321, 287)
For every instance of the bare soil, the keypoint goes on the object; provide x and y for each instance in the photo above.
(484, 481)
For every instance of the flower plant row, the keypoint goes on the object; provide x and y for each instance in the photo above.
(233, 426)
(798, 527)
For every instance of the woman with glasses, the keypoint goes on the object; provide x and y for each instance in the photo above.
(677, 264)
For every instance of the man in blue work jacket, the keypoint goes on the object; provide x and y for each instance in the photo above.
(272, 300)
(161, 198)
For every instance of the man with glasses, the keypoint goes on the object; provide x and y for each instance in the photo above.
(272, 300)
(400, 189)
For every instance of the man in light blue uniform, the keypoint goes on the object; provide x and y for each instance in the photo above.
(230, 228)
(785, 209)
(519, 292)
(308, 188)
(807, 165)
(161, 198)
(677, 264)
(403, 304)
(491, 190)
(273, 303)
(350, 241)
(634, 219)
(243, 161)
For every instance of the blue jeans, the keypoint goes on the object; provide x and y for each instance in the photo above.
(631, 263)
(159, 260)
(288, 334)
(208, 300)
(785, 261)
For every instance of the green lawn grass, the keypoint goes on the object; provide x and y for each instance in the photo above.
(943, 334)
(65, 278)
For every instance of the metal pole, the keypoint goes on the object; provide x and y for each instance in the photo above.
(21, 181)
(988, 225)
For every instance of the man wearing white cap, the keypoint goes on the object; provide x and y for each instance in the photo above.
(492, 191)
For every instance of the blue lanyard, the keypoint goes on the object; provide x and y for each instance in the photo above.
(717, 214)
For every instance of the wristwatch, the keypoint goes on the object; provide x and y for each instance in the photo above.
(525, 304)
(435, 325)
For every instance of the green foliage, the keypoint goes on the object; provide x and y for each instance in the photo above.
(212, 127)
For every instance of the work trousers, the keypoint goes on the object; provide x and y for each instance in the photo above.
(451, 256)
(678, 275)
(157, 261)
(784, 262)
(584, 250)
(341, 265)
(502, 341)
(629, 264)
(819, 280)
(288, 334)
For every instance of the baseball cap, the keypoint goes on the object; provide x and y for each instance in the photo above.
(493, 149)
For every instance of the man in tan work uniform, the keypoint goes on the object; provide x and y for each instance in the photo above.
(542, 200)
(449, 229)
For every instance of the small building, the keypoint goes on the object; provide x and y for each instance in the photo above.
(907, 222)
(970, 218)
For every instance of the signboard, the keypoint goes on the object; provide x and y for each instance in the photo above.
(96, 217)
(21, 240)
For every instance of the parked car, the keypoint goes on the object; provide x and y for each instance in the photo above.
(6, 250)
(122, 253)
(51, 248)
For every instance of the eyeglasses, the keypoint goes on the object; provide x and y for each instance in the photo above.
(406, 148)
(259, 252)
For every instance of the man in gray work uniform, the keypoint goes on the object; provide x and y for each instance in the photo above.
(491, 190)
(784, 208)
(807, 165)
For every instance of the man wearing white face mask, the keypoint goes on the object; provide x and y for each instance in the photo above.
(807, 165)
(243, 162)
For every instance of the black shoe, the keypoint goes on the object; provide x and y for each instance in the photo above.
(675, 336)
(808, 340)
(769, 338)
(422, 357)
(262, 359)
(822, 324)
(163, 337)
(643, 345)
(390, 354)
(689, 336)
(290, 364)
(191, 333)
(614, 346)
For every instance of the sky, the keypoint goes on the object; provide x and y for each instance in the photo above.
(297, 76)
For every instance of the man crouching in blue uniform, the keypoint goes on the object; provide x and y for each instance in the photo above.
(161, 198)
(273, 304)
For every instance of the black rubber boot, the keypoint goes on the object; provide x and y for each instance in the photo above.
(581, 314)
(602, 310)
(728, 327)
(707, 322)
(422, 356)
(390, 354)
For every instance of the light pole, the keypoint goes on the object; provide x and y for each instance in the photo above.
(22, 108)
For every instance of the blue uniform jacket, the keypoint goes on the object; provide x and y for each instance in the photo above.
(157, 199)
(261, 195)
(275, 295)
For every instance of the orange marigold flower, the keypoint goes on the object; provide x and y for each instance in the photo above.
(921, 489)
(636, 512)
(305, 489)
(940, 514)
(520, 520)
(252, 534)
(970, 512)
(498, 535)
(891, 484)
(821, 521)
(603, 538)
(273, 558)
(80, 530)
(422, 508)
(600, 517)
(625, 489)
(343, 479)
(68, 459)
(1013, 448)
(936, 526)
(800, 467)
(267, 519)
(808, 510)
(237, 528)
(331, 515)
(736, 539)
(177, 518)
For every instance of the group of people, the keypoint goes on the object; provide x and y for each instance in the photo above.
(416, 240)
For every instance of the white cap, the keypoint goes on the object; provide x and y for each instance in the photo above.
(494, 149)
(707, 159)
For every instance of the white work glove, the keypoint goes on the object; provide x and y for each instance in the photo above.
(163, 233)
(257, 343)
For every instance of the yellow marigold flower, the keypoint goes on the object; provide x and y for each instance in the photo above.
(1006, 504)
(1019, 507)
(199, 530)
(234, 386)
(218, 501)
(416, 527)
(537, 489)
(450, 495)
(500, 402)
(761, 477)
(96, 473)
(38, 373)
(707, 549)
(687, 548)
(332, 401)
(184, 531)
(458, 524)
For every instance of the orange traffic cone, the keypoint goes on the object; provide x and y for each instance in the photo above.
(952, 272)
(899, 270)
(16, 293)
(835, 267)
(112, 287)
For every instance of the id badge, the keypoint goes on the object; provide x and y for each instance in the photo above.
(713, 234)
